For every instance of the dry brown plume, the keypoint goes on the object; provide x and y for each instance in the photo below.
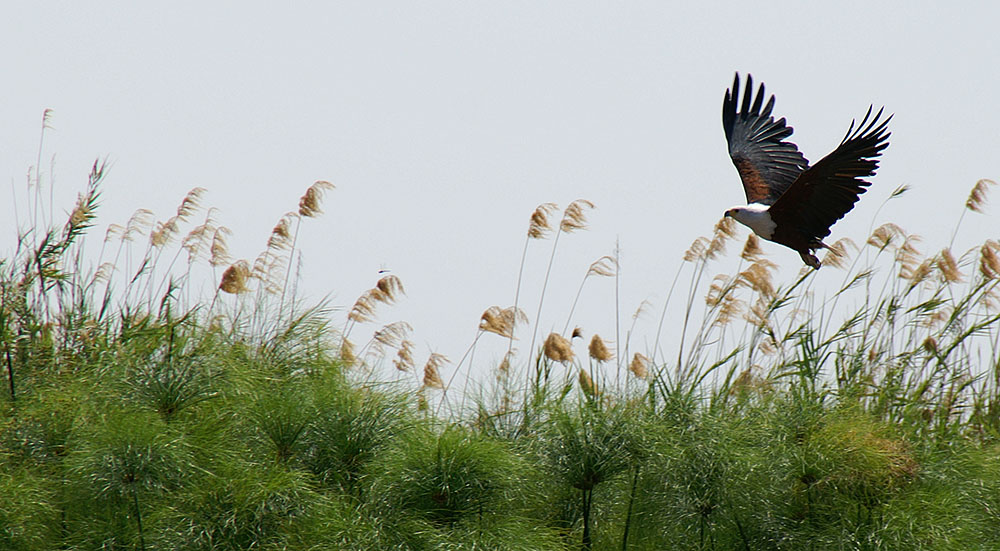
(386, 291)
(558, 349)
(989, 259)
(598, 350)
(347, 353)
(978, 195)
(752, 250)
(432, 375)
(948, 267)
(697, 250)
(885, 235)
(837, 256)
(309, 204)
(220, 247)
(758, 278)
(404, 356)
(190, 204)
(639, 366)
(502, 321)
(539, 226)
(587, 384)
(606, 266)
(281, 235)
(234, 279)
(139, 223)
(725, 229)
(393, 334)
(575, 217)
(164, 232)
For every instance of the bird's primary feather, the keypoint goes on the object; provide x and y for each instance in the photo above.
(766, 162)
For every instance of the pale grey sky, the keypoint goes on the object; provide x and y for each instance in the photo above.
(443, 125)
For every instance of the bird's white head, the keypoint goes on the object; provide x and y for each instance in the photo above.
(755, 217)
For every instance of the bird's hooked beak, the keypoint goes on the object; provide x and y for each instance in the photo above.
(729, 214)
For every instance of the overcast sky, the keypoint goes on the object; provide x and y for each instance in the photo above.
(444, 124)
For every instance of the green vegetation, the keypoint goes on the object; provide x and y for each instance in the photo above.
(137, 415)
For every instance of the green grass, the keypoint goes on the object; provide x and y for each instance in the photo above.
(139, 413)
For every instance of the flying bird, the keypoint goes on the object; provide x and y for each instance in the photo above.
(788, 201)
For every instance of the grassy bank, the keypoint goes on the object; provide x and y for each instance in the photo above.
(140, 413)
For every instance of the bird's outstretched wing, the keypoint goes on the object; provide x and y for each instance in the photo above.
(826, 191)
(767, 164)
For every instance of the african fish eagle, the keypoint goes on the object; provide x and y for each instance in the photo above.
(790, 202)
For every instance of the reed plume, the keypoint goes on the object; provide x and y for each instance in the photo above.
(837, 255)
(557, 348)
(502, 321)
(220, 247)
(752, 250)
(234, 279)
(948, 267)
(432, 374)
(404, 357)
(639, 366)
(539, 225)
(575, 216)
(309, 204)
(989, 259)
(587, 384)
(979, 195)
(598, 349)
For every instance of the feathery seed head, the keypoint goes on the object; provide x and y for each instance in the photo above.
(587, 384)
(504, 366)
(502, 321)
(220, 249)
(347, 353)
(575, 217)
(432, 375)
(639, 366)
(697, 250)
(190, 204)
(539, 226)
(164, 232)
(908, 257)
(309, 204)
(948, 267)
(760, 313)
(115, 231)
(731, 308)
(138, 224)
(752, 250)
(758, 278)
(104, 272)
(978, 195)
(726, 226)
(234, 279)
(885, 235)
(720, 287)
(837, 255)
(389, 289)
(404, 356)
(598, 350)
(557, 348)
(393, 334)
(364, 308)
(577, 333)
(606, 266)
(989, 259)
